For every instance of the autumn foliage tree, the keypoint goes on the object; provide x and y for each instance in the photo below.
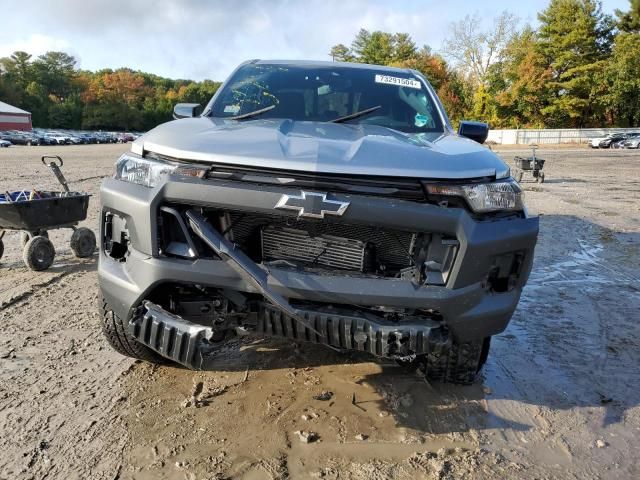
(60, 96)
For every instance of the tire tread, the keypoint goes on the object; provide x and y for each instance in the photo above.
(115, 331)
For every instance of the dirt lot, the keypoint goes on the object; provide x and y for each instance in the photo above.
(559, 397)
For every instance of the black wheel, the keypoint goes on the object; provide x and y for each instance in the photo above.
(459, 364)
(541, 177)
(38, 253)
(29, 143)
(117, 334)
(519, 177)
(83, 242)
(26, 236)
(1, 248)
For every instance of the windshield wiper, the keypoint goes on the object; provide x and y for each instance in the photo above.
(355, 114)
(252, 114)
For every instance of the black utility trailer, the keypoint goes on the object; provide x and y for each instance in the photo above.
(531, 164)
(34, 213)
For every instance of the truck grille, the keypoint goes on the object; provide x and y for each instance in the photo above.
(291, 244)
(332, 244)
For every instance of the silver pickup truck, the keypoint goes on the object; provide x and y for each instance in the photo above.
(324, 202)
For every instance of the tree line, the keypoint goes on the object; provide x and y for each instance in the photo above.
(579, 68)
(60, 96)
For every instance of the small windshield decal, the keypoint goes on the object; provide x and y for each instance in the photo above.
(232, 109)
(400, 82)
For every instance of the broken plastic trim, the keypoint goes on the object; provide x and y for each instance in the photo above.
(171, 336)
(242, 264)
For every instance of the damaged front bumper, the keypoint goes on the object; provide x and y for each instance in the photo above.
(188, 343)
(307, 305)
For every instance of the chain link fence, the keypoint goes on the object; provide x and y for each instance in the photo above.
(563, 135)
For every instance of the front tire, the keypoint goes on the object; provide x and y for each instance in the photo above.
(460, 364)
(115, 330)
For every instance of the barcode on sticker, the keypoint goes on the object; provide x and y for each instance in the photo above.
(400, 82)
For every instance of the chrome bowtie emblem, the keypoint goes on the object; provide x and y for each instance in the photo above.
(311, 204)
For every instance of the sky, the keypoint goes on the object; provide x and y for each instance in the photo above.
(199, 39)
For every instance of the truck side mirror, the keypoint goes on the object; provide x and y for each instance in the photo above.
(476, 131)
(186, 110)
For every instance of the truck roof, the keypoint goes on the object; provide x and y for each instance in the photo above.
(327, 63)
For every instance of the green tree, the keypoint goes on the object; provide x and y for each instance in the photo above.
(630, 21)
(404, 47)
(378, 48)
(518, 84)
(18, 67)
(55, 70)
(360, 43)
(575, 40)
(341, 53)
(623, 80)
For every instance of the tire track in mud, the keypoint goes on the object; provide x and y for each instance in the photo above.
(28, 282)
(24, 289)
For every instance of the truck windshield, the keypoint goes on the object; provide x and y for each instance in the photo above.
(396, 100)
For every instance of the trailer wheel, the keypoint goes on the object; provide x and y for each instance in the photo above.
(26, 236)
(519, 176)
(83, 242)
(38, 253)
(541, 177)
(1, 248)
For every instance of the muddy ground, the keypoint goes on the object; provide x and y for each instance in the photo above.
(558, 398)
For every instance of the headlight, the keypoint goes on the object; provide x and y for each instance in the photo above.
(149, 173)
(485, 197)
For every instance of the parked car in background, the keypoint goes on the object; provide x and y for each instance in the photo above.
(76, 139)
(632, 141)
(611, 138)
(5, 143)
(44, 139)
(45, 136)
(88, 137)
(59, 138)
(595, 142)
(125, 137)
(19, 138)
(105, 137)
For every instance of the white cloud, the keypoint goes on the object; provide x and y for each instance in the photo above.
(35, 44)
(208, 38)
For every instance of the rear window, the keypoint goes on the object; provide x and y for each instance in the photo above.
(321, 94)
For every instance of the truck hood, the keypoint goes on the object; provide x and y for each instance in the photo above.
(321, 147)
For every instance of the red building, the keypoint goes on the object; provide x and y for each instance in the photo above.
(13, 118)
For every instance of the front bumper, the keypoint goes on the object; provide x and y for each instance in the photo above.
(188, 343)
(467, 305)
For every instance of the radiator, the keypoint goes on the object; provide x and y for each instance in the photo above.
(297, 245)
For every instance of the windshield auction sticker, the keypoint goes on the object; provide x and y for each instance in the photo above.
(400, 82)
